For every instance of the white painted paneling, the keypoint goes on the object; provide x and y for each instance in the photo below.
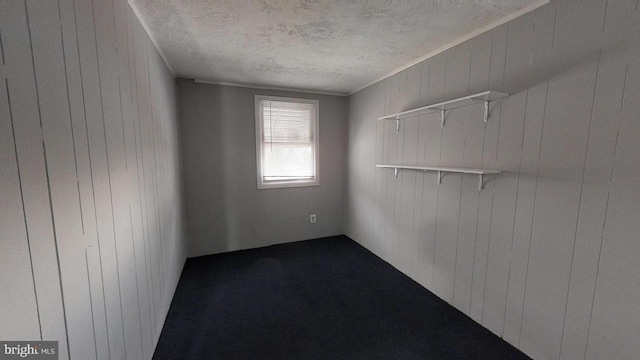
(406, 250)
(479, 66)
(537, 80)
(74, 205)
(527, 173)
(378, 105)
(92, 190)
(508, 155)
(21, 83)
(394, 152)
(19, 298)
(494, 80)
(545, 256)
(64, 194)
(604, 120)
(431, 138)
(564, 141)
(615, 328)
(138, 234)
(405, 183)
(451, 152)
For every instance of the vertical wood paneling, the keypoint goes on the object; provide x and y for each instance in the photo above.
(394, 186)
(21, 83)
(125, 244)
(543, 27)
(545, 255)
(105, 93)
(137, 209)
(510, 140)
(489, 158)
(59, 145)
(449, 199)
(527, 170)
(607, 101)
(90, 87)
(140, 100)
(406, 249)
(615, 328)
(129, 101)
(418, 236)
(409, 250)
(558, 194)
(20, 305)
(89, 135)
(431, 138)
(154, 121)
(369, 109)
(479, 62)
(389, 182)
(380, 176)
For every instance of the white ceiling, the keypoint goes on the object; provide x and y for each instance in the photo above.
(336, 46)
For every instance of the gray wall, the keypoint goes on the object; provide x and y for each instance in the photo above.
(91, 232)
(224, 209)
(547, 255)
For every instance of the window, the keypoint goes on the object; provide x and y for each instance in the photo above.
(286, 142)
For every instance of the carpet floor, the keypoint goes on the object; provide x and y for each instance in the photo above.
(327, 298)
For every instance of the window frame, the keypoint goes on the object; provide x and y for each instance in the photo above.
(315, 126)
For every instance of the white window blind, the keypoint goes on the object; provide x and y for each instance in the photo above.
(287, 142)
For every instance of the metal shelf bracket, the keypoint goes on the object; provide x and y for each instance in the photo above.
(486, 111)
(439, 178)
(398, 125)
(486, 108)
(395, 173)
(480, 182)
(442, 117)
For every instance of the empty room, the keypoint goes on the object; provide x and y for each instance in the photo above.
(265, 179)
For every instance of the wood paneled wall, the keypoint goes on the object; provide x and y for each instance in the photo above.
(91, 230)
(547, 255)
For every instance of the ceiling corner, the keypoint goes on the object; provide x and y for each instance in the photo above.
(146, 28)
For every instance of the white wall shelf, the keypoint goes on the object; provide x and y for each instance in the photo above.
(484, 97)
(441, 169)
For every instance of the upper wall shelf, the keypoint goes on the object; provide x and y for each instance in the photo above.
(484, 97)
(441, 169)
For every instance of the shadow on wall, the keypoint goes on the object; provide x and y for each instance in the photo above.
(559, 59)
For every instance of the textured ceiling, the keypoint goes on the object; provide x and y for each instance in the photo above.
(321, 45)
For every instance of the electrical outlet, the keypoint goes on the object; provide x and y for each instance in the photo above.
(312, 218)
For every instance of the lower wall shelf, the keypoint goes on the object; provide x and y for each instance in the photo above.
(441, 169)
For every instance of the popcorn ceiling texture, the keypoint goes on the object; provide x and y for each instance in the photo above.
(333, 46)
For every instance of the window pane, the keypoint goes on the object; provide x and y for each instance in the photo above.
(286, 142)
(287, 162)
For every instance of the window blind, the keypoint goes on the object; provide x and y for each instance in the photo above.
(287, 140)
(287, 122)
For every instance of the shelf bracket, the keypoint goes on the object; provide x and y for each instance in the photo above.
(480, 182)
(486, 111)
(439, 177)
(397, 125)
(442, 116)
(486, 108)
(395, 173)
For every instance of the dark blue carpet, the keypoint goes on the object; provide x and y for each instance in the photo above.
(328, 298)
